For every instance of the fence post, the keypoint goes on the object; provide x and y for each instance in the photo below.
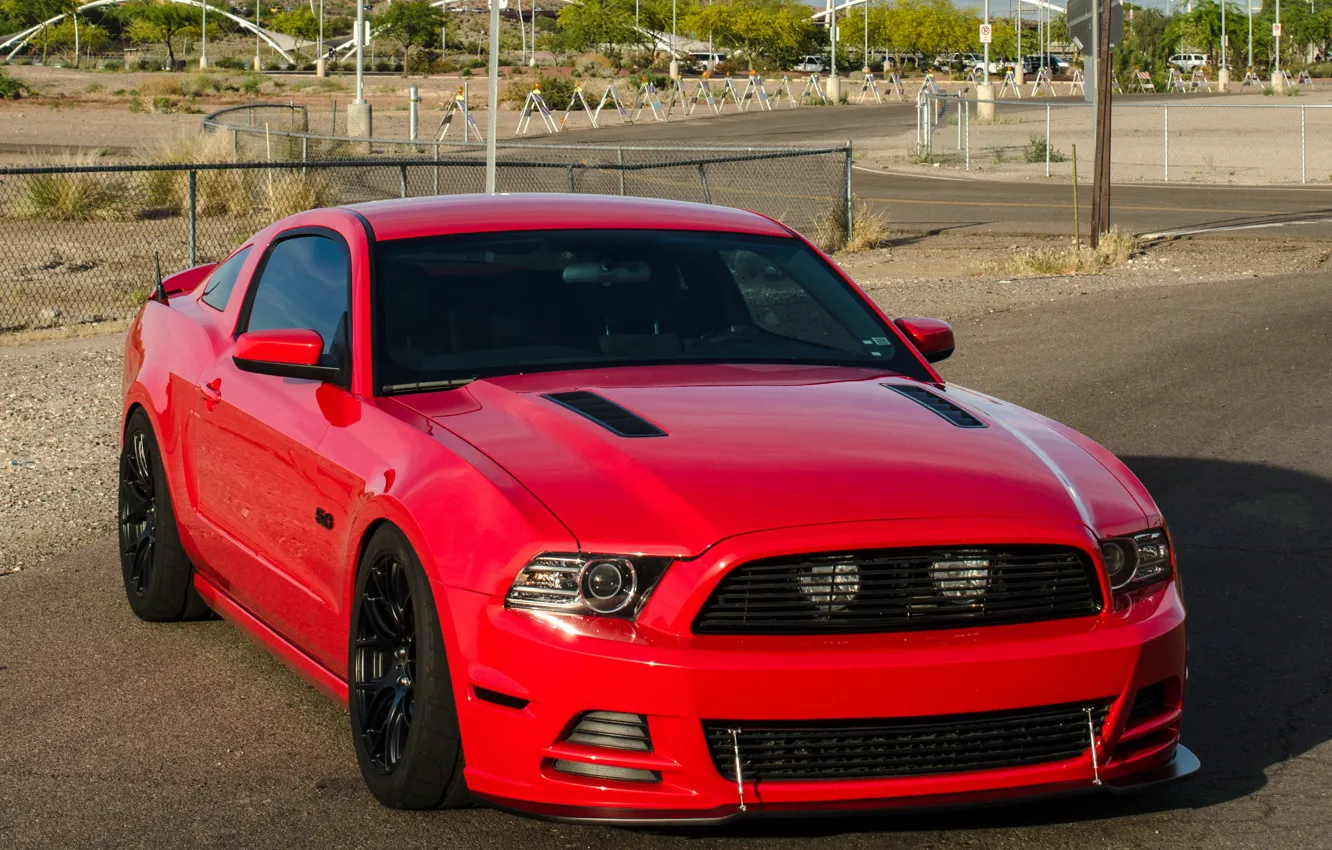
(968, 148)
(333, 124)
(402, 179)
(850, 205)
(703, 178)
(1047, 140)
(960, 107)
(194, 216)
(620, 156)
(235, 142)
(437, 168)
(1302, 174)
(1165, 135)
(305, 153)
(572, 188)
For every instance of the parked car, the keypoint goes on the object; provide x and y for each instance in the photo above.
(1187, 63)
(646, 509)
(812, 64)
(1032, 62)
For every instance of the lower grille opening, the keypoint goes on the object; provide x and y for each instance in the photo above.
(611, 729)
(1148, 703)
(908, 746)
(606, 771)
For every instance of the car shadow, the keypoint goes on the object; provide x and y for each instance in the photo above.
(1255, 555)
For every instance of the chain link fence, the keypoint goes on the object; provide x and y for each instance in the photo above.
(77, 243)
(1162, 141)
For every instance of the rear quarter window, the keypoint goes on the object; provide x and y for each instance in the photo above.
(217, 290)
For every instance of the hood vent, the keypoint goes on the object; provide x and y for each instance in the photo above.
(607, 414)
(938, 404)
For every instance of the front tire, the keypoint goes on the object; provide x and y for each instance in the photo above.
(403, 717)
(158, 576)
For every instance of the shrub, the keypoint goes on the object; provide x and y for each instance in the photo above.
(164, 105)
(383, 65)
(10, 88)
(232, 63)
(251, 83)
(93, 88)
(136, 105)
(111, 65)
(74, 197)
(217, 193)
(444, 66)
(869, 229)
(1038, 148)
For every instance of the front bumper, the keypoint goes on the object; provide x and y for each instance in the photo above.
(554, 668)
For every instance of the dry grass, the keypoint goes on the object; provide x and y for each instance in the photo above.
(869, 230)
(293, 192)
(74, 196)
(219, 193)
(1115, 249)
(830, 229)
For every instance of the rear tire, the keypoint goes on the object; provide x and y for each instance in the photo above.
(158, 576)
(403, 718)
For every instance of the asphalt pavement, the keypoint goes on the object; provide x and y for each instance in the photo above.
(117, 733)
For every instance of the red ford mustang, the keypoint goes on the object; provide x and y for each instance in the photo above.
(639, 510)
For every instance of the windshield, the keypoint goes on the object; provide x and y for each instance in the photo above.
(452, 308)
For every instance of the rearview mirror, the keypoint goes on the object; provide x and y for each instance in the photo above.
(933, 338)
(285, 352)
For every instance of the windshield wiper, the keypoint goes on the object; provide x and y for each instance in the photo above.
(421, 386)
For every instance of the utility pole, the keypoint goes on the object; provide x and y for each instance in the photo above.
(1101, 166)
(203, 49)
(258, 65)
(360, 117)
(321, 62)
(675, 51)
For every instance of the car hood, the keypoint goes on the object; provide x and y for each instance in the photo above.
(750, 448)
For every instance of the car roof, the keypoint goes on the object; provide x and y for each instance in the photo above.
(442, 215)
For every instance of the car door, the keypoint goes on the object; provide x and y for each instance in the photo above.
(255, 439)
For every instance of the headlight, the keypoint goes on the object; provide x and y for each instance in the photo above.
(1136, 560)
(593, 585)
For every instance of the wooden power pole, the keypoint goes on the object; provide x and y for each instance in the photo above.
(1100, 213)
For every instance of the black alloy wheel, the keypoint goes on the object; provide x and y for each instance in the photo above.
(403, 716)
(384, 662)
(158, 575)
(138, 514)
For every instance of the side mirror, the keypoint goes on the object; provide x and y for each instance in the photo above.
(933, 338)
(285, 352)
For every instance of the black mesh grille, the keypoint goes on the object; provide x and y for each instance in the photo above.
(937, 403)
(901, 590)
(607, 414)
(912, 746)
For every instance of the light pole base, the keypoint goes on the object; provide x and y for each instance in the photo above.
(675, 69)
(1223, 80)
(258, 63)
(203, 63)
(360, 121)
(1020, 75)
(1278, 81)
(321, 67)
(985, 102)
(832, 88)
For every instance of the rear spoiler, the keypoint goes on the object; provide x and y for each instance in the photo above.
(179, 282)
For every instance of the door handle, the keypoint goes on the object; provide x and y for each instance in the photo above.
(211, 391)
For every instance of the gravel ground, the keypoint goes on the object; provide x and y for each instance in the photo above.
(60, 399)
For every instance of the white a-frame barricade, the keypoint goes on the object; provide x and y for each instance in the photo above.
(535, 103)
(1199, 81)
(647, 99)
(576, 100)
(1142, 82)
(894, 86)
(1010, 84)
(457, 105)
(1175, 82)
(813, 90)
(1077, 86)
(1305, 80)
(784, 88)
(677, 97)
(1042, 83)
(704, 94)
(612, 95)
(1114, 83)
(869, 89)
(755, 92)
(728, 90)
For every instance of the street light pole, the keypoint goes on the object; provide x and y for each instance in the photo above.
(1276, 51)
(1250, 63)
(985, 57)
(675, 52)
(360, 116)
(258, 65)
(492, 94)
(203, 50)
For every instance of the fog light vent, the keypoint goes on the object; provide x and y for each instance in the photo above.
(611, 729)
(606, 771)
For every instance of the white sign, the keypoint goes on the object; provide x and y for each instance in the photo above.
(1276, 30)
(986, 33)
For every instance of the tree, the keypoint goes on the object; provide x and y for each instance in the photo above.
(602, 25)
(299, 23)
(159, 21)
(776, 29)
(411, 23)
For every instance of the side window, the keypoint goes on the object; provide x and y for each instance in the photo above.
(305, 283)
(223, 279)
(781, 306)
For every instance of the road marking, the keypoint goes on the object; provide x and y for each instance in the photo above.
(1192, 231)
